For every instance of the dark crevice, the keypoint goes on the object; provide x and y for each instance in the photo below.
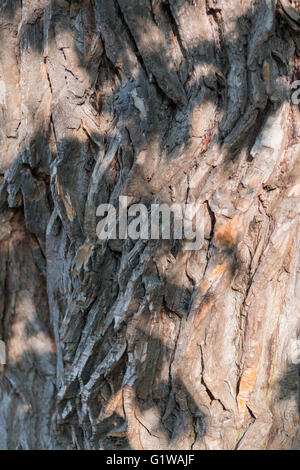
(169, 14)
(211, 235)
(131, 38)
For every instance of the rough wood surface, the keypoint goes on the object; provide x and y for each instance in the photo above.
(144, 345)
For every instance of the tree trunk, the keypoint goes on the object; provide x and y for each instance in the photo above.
(143, 344)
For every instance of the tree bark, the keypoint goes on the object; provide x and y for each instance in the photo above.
(143, 344)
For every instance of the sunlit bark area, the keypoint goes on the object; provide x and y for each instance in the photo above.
(142, 344)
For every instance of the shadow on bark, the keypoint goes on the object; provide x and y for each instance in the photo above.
(289, 391)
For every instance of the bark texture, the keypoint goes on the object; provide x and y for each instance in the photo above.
(144, 345)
